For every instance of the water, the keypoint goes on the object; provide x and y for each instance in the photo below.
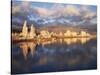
(56, 55)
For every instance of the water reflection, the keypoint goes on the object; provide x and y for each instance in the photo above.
(27, 47)
(54, 55)
(68, 41)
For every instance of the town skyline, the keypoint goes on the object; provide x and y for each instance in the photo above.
(31, 34)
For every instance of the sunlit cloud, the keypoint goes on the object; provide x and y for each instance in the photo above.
(43, 12)
(15, 9)
(69, 10)
(63, 13)
(72, 10)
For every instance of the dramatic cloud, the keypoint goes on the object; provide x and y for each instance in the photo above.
(71, 10)
(68, 10)
(20, 7)
(42, 11)
(15, 9)
(52, 13)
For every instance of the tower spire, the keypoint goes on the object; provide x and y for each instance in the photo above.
(32, 32)
(25, 22)
(24, 29)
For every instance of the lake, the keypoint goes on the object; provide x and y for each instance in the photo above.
(52, 56)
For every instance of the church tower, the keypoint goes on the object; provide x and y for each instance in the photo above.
(25, 30)
(32, 33)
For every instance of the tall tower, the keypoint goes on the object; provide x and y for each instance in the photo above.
(83, 33)
(68, 33)
(32, 33)
(25, 30)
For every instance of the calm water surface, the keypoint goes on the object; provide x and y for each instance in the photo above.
(59, 55)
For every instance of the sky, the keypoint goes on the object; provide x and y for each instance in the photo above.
(42, 13)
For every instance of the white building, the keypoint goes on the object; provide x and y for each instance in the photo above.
(44, 34)
(74, 34)
(67, 33)
(24, 32)
(83, 33)
(60, 34)
(32, 33)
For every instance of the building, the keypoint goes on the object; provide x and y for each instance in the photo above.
(44, 34)
(74, 34)
(32, 33)
(27, 35)
(53, 34)
(68, 33)
(84, 34)
(60, 34)
(24, 32)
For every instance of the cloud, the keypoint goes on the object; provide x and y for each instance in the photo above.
(15, 9)
(89, 15)
(74, 14)
(93, 21)
(23, 6)
(68, 10)
(71, 10)
(42, 11)
(86, 12)
(57, 10)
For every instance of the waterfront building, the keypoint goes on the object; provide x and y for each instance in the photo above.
(60, 34)
(68, 33)
(74, 34)
(84, 34)
(24, 32)
(32, 33)
(44, 34)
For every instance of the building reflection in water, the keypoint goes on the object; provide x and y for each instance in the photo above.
(84, 40)
(26, 46)
(30, 47)
(75, 40)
